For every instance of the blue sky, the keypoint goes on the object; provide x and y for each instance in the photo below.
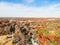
(33, 3)
(30, 8)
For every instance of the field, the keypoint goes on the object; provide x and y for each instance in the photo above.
(5, 41)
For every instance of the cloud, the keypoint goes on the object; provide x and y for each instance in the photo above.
(19, 10)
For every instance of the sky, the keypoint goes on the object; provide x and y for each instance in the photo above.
(30, 8)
